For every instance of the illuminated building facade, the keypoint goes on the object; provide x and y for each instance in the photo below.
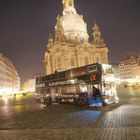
(70, 48)
(116, 72)
(29, 85)
(130, 70)
(9, 78)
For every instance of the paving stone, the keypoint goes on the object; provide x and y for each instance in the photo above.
(64, 122)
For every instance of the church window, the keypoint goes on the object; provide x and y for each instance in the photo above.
(86, 60)
(58, 62)
(72, 61)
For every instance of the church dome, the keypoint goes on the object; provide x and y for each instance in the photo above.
(74, 28)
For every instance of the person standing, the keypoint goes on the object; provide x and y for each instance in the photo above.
(96, 93)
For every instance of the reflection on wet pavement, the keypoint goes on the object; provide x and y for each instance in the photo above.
(23, 119)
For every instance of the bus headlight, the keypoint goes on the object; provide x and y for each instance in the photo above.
(106, 100)
(117, 98)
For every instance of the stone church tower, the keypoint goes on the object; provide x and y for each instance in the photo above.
(71, 47)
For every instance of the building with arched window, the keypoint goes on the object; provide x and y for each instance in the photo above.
(70, 48)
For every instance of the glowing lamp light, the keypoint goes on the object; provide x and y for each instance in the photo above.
(47, 95)
(8, 91)
(106, 100)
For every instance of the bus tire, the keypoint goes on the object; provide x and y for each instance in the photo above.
(47, 102)
(80, 103)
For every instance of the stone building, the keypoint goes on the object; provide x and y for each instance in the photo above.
(9, 77)
(29, 85)
(70, 48)
(130, 70)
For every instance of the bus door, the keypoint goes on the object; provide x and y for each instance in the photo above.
(54, 95)
(96, 95)
(96, 91)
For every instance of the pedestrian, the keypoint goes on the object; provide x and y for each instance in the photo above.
(96, 93)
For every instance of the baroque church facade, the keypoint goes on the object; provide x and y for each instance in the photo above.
(70, 48)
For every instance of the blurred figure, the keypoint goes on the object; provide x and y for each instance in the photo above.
(96, 93)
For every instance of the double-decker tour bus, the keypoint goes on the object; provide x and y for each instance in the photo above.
(89, 85)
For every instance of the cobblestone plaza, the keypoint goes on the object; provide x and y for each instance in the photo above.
(25, 120)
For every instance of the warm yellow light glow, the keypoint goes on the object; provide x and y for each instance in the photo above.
(9, 91)
(5, 99)
(83, 88)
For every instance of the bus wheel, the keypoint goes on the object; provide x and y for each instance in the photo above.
(104, 103)
(47, 102)
(81, 103)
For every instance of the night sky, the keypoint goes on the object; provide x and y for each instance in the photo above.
(25, 26)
